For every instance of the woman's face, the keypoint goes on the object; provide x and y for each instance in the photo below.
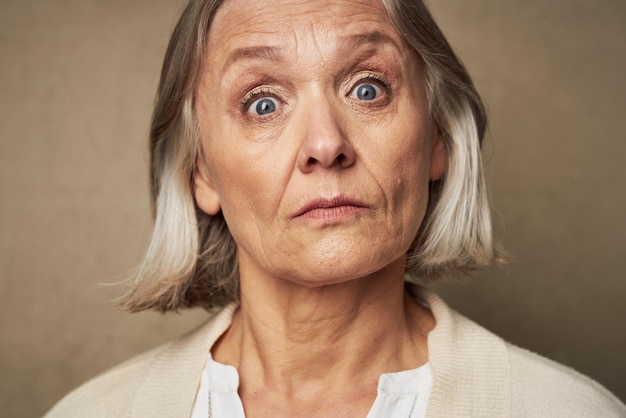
(318, 144)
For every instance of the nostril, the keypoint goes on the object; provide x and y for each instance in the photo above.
(339, 159)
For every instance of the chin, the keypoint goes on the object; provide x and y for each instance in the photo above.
(330, 271)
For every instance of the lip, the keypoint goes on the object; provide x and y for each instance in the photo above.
(333, 208)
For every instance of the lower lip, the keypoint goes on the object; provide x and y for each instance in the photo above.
(333, 214)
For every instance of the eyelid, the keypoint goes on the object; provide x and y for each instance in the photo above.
(256, 94)
(372, 76)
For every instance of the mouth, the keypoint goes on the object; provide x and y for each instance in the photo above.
(331, 209)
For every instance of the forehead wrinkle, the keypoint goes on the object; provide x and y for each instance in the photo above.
(368, 41)
(373, 38)
(253, 53)
(369, 44)
(349, 46)
(275, 54)
(279, 44)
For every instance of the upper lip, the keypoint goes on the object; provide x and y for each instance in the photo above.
(325, 203)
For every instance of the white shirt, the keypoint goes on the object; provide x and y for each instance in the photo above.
(401, 394)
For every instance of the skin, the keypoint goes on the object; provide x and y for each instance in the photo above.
(323, 310)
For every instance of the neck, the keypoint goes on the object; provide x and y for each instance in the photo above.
(293, 338)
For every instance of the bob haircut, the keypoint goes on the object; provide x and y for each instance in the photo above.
(192, 257)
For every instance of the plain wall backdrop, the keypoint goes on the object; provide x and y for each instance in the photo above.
(77, 82)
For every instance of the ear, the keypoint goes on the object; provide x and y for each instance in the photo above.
(438, 157)
(206, 196)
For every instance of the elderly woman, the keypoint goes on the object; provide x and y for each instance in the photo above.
(307, 158)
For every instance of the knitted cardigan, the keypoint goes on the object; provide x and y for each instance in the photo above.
(475, 374)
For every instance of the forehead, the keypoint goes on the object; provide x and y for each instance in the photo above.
(299, 23)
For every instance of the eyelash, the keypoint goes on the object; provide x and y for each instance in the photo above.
(374, 77)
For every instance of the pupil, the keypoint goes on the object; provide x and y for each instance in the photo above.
(265, 106)
(366, 92)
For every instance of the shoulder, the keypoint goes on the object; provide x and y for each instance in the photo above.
(542, 387)
(160, 382)
(108, 394)
(477, 373)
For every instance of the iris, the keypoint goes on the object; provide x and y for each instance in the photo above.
(263, 106)
(366, 92)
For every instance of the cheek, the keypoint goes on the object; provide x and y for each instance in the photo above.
(236, 187)
(404, 178)
(248, 186)
(238, 193)
(402, 158)
(222, 162)
(412, 191)
(248, 172)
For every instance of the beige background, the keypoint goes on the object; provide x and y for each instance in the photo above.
(76, 85)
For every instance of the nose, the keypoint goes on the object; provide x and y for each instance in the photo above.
(324, 144)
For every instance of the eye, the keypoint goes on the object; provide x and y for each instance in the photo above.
(263, 106)
(366, 91)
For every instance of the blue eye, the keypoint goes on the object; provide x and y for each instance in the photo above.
(366, 91)
(263, 106)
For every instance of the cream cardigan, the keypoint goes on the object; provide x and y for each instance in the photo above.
(475, 374)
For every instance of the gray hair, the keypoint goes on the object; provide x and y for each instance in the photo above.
(192, 258)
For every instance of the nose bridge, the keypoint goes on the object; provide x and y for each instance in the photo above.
(323, 124)
(324, 143)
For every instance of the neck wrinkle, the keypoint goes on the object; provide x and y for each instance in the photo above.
(321, 340)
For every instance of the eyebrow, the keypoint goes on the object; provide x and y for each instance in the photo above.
(273, 54)
(375, 38)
